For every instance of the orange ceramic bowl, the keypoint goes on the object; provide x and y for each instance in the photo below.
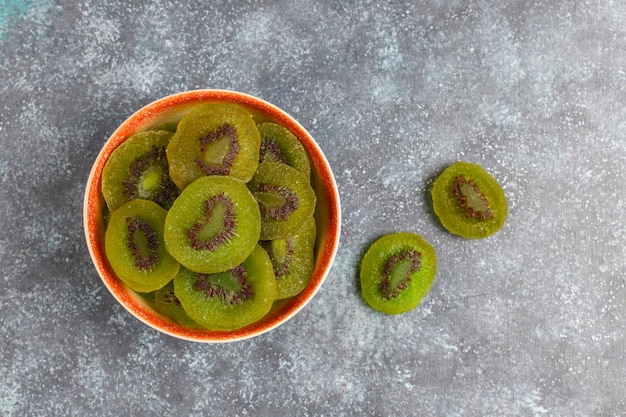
(167, 111)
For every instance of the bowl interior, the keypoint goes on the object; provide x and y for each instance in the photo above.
(165, 113)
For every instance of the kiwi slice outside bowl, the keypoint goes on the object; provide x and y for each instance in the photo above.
(469, 201)
(397, 272)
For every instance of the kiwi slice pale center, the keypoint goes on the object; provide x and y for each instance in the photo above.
(149, 181)
(148, 178)
(218, 150)
(271, 152)
(142, 243)
(281, 252)
(276, 202)
(216, 225)
(269, 199)
(231, 287)
(397, 272)
(400, 273)
(471, 199)
(225, 281)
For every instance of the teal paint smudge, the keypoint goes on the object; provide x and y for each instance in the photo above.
(9, 9)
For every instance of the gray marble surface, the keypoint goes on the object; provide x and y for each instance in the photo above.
(529, 322)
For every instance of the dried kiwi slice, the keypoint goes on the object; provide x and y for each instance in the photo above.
(292, 259)
(214, 139)
(468, 201)
(285, 198)
(167, 304)
(135, 248)
(213, 225)
(397, 272)
(231, 299)
(138, 169)
(278, 144)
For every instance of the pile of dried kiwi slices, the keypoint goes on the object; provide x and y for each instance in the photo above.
(212, 222)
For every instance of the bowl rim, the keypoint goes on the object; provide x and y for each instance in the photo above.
(134, 303)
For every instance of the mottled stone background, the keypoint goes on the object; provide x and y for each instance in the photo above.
(528, 322)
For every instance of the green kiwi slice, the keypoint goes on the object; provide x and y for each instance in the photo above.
(214, 139)
(292, 259)
(285, 198)
(278, 144)
(468, 201)
(397, 272)
(232, 299)
(138, 169)
(167, 304)
(213, 225)
(135, 247)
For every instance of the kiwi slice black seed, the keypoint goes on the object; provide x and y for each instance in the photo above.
(213, 225)
(397, 272)
(285, 198)
(231, 299)
(135, 247)
(468, 201)
(214, 139)
(138, 169)
(293, 259)
(167, 304)
(278, 144)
